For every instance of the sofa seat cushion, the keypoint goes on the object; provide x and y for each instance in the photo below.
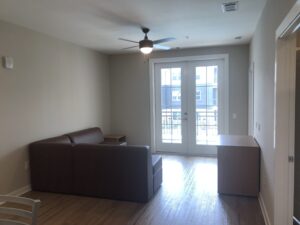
(88, 136)
(156, 163)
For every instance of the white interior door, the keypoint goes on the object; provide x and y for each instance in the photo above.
(190, 106)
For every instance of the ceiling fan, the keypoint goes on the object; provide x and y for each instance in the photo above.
(146, 46)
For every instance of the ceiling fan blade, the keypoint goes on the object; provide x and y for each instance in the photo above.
(163, 40)
(123, 39)
(130, 47)
(162, 47)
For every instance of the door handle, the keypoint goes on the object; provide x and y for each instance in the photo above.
(291, 159)
(185, 116)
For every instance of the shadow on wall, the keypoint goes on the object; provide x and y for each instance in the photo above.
(14, 169)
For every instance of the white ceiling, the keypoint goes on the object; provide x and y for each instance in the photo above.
(98, 24)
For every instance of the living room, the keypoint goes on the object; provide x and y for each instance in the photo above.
(70, 73)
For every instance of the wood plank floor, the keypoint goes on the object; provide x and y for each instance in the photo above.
(188, 196)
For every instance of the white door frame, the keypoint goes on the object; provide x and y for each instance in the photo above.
(251, 98)
(284, 118)
(152, 62)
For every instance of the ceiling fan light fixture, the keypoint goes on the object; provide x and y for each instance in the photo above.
(146, 50)
(146, 46)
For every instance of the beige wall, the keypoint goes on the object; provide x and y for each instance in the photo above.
(262, 53)
(130, 90)
(55, 87)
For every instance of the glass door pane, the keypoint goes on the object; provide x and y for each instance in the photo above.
(171, 105)
(206, 102)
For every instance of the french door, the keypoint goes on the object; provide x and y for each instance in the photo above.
(190, 104)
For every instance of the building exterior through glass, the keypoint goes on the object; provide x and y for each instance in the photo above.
(205, 103)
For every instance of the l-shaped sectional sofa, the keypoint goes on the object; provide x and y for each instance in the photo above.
(77, 163)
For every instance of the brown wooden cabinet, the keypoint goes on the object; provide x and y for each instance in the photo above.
(238, 165)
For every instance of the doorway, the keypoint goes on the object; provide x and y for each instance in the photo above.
(190, 105)
(285, 135)
(296, 211)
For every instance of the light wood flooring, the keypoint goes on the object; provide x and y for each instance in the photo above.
(188, 196)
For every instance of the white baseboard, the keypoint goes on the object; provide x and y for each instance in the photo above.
(20, 191)
(264, 210)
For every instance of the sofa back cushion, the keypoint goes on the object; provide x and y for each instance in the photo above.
(88, 136)
(63, 139)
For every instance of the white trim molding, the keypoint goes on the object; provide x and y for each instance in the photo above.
(284, 129)
(20, 191)
(264, 210)
(290, 22)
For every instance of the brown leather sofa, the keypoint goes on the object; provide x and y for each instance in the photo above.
(77, 163)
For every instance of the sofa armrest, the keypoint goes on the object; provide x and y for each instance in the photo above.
(117, 172)
(51, 167)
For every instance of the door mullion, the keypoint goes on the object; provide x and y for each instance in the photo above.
(191, 88)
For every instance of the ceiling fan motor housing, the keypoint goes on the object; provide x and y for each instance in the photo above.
(146, 43)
